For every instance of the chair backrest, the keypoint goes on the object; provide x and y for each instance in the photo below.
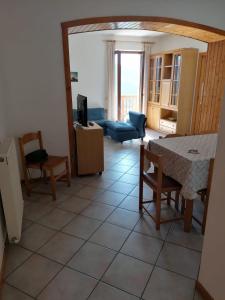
(26, 139)
(138, 120)
(156, 160)
(93, 114)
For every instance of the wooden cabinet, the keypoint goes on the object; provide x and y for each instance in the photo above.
(154, 116)
(172, 80)
(89, 149)
(165, 93)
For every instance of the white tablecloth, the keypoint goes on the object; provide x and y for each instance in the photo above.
(190, 170)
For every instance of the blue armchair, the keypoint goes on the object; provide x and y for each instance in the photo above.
(132, 129)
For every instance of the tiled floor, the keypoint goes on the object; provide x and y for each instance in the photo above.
(92, 243)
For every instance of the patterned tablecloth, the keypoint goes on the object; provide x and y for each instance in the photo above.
(189, 169)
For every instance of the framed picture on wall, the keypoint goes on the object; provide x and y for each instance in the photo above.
(74, 76)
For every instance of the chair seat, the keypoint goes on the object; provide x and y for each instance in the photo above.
(52, 162)
(120, 126)
(168, 183)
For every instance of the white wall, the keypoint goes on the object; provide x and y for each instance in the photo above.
(88, 58)
(213, 259)
(2, 135)
(32, 57)
(172, 42)
(32, 62)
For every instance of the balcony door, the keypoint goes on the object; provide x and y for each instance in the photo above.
(129, 82)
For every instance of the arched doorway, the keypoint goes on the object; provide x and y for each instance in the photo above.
(213, 36)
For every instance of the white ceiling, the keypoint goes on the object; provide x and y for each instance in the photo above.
(130, 33)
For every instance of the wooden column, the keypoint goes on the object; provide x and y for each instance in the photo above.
(208, 105)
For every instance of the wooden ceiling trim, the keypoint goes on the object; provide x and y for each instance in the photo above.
(172, 26)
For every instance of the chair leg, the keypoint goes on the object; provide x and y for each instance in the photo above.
(168, 198)
(188, 215)
(53, 184)
(45, 176)
(205, 215)
(27, 184)
(177, 197)
(182, 205)
(158, 210)
(140, 193)
(154, 196)
(67, 173)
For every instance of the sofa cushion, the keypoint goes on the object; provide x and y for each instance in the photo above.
(120, 126)
(95, 114)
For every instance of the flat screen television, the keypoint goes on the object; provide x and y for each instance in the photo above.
(82, 110)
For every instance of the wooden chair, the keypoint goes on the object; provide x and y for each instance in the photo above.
(204, 193)
(48, 167)
(159, 183)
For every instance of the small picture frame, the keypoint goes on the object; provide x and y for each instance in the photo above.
(74, 76)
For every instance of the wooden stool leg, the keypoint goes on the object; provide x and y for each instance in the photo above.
(67, 172)
(188, 215)
(53, 184)
(158, 210)
(140, 193)
(168, 198)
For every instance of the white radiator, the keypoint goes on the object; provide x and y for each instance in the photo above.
(10, 189)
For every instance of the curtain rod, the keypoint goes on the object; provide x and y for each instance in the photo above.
(139, 42)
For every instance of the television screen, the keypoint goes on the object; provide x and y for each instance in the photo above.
(82, 110)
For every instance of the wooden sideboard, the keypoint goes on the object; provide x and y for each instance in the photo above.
(89, 145)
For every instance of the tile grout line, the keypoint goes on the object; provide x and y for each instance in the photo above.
(105, 221)
(154, 265)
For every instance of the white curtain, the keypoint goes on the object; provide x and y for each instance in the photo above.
(147, 51)
(111, 98)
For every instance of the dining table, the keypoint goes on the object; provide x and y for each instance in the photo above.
(186, 159)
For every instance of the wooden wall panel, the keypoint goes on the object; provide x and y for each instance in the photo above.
(214, 84)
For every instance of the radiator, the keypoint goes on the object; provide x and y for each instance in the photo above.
(10, 187)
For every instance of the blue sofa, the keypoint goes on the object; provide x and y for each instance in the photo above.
(124, 131)
(96, 115)
(119, 131)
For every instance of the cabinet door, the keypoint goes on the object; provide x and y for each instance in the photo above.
(165, 93)
(154, 117)
(175, 80)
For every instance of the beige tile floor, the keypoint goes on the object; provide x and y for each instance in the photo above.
(92, 243)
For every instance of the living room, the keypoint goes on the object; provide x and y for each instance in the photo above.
(90, 61)
(34, 99)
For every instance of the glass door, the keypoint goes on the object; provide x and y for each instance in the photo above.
(175, 79)
(129, 82)
(155, 78)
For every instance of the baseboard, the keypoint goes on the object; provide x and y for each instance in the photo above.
(203, 292)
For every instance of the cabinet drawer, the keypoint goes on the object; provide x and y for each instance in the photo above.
(169, 124)
(167, 129)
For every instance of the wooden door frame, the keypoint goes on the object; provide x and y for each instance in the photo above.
(119, 52)
(87, 21)
(194, 120)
